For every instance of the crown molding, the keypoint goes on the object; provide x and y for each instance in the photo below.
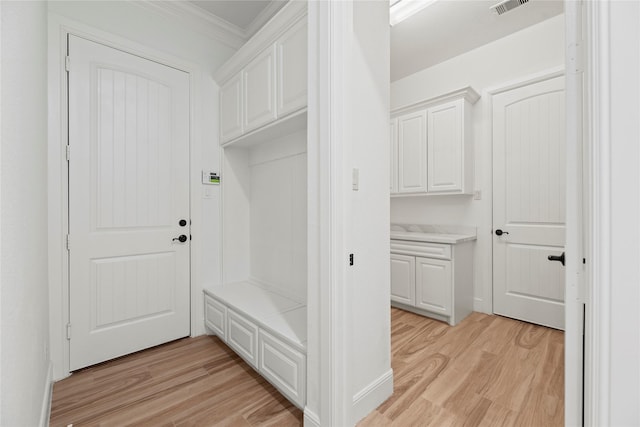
(263, 17)
(466, 93)
(290, 13)
(201, 21)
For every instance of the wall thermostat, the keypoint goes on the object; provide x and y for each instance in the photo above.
(210, 178)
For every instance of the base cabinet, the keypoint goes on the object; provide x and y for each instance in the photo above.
(434, 280)
(433, 285)
(272, 341)
(403, 279)
(283, 366)
(243, 337)
(215, 315)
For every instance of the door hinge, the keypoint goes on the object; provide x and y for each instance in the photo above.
(350, 259)
(67, 63)
(68, 152)
(575, 58)
(68, 331)
(68, 242)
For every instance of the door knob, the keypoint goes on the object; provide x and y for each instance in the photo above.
(182, 222)
(181, 238)
(556, 258)
(500, 232)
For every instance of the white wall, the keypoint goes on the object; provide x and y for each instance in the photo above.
(278, 214)
(24, 344)
(348, 357)
(613, 309)
(527, 52)
(366, 217)
(136, 26)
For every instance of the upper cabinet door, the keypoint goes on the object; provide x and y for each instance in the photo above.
(412, 152)
(259, 78)
(231, 110)
(292, 69)
(445, 149)
(393, 156)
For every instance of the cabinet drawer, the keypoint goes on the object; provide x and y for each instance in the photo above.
(242, 336)
(423, 249)
(215, 316)
(284, 367)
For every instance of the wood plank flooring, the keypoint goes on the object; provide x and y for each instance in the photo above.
(487, 371)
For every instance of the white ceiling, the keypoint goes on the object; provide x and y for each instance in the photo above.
(439, 32)
(449, 28)
(248, 15)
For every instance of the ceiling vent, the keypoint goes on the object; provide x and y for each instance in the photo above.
(506, 5)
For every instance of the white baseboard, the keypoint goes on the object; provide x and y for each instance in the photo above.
(311, 419)
(480, 305)
(45, 410)
(372, 396)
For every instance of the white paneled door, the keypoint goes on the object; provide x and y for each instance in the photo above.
(529, 202)
(128, 203)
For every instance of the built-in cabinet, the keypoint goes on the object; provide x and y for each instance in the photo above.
(431, 146)
(269, 87)
(259, 309)
(433, 279)
(231, 109)
(259, 91)
(291, 51)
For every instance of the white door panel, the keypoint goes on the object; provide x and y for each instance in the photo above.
(128, 189)
(393, 156)
(259, 90)
(433, 285)
(529, 202)
(403, 279)
(412, 152)
(445, 146)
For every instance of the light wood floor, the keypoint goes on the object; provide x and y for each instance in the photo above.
(487, 371)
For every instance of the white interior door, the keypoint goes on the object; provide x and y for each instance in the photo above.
(529, 202)
(128, 192)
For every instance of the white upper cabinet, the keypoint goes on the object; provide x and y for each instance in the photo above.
(434, 146)
(231, 109)
(292, 69)
(264, 86)
(259, 87)
(448, 147)
(412, 152)
(393, 156)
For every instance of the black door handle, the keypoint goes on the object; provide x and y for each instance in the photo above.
(500, 232)
(556, 258)
(181, 238)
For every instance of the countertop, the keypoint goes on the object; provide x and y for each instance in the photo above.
(433, 233)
